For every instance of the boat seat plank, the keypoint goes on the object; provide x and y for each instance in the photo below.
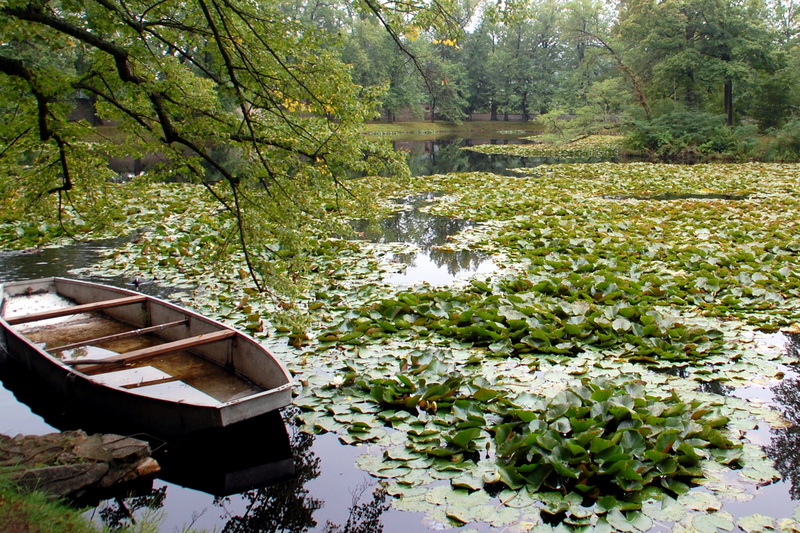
(119, 336)
(177, 391)
(153, 351)
(75, 309)
(131, 376)
(149, 383)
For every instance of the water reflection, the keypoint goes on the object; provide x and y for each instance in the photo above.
(443, 156)
(219, 461)
(785, 445)
(429, 233)
(258, 472)
(668, 196)
(16, 265)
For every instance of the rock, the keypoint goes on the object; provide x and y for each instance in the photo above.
(71, 464)
(62, 480)
(112, 448)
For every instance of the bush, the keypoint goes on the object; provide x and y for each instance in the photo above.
(785, 145)
(684, 135)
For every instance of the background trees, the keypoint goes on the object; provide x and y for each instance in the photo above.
(526, 58)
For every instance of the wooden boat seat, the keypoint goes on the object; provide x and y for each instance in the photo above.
(150, 381)
(75, 309)
(132, 377)
(153, 351)
(119, 336)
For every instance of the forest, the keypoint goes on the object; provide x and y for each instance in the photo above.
(672, 74)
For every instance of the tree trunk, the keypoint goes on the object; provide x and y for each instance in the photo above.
(526, 116)
(728, 93)
(729, 102)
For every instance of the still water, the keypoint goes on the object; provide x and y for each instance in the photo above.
(268, 476)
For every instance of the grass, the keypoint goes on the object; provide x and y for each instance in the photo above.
(33, 512)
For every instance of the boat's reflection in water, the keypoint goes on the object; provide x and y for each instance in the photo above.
(221, 461)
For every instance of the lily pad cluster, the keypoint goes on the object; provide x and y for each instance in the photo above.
(594, 146)
(518, 317)
(596, 454)
(726, 251)
(601, 439)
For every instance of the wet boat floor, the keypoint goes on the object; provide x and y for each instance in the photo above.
(176, 376)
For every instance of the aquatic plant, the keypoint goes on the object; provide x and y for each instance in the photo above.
(603, 439)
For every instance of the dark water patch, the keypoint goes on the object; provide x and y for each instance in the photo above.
(678, 196)
(443, 156)
(785, 443)
(220, 461)
(261, 475)
(61, 261)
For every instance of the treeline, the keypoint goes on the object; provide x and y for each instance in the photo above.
(696, 75)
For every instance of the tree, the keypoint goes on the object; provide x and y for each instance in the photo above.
(189, 81)
(688, 49)
(479, 48)
(378, 62)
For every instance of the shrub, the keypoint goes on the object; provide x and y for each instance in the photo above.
(683, 135)
(785, 145)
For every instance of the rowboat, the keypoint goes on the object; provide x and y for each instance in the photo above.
(138, 358)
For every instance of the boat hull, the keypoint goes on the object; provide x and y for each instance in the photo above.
(237, 353)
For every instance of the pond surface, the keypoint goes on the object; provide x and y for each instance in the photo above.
(265, 473)
(448, 155)
(295, 481)
(269, 476)
(430, 261)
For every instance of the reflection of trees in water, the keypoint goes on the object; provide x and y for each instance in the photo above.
(715, 387)
(119, 512)
(457, 261)
(364, 517)
(793, 345)
(284, 507)
(445, 156)
(426, 231)
(413, 226)
(785, 445)
(287, 506)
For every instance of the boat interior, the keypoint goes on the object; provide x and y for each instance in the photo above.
(131, 356)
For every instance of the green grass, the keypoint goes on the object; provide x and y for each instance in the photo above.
(33, 512)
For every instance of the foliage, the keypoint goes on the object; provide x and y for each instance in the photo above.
(519, 317)
(237, 96)
(683, 135)
(691, 50)
(785, 144)
(610, 439)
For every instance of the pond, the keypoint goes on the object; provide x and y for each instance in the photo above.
(325, 489)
